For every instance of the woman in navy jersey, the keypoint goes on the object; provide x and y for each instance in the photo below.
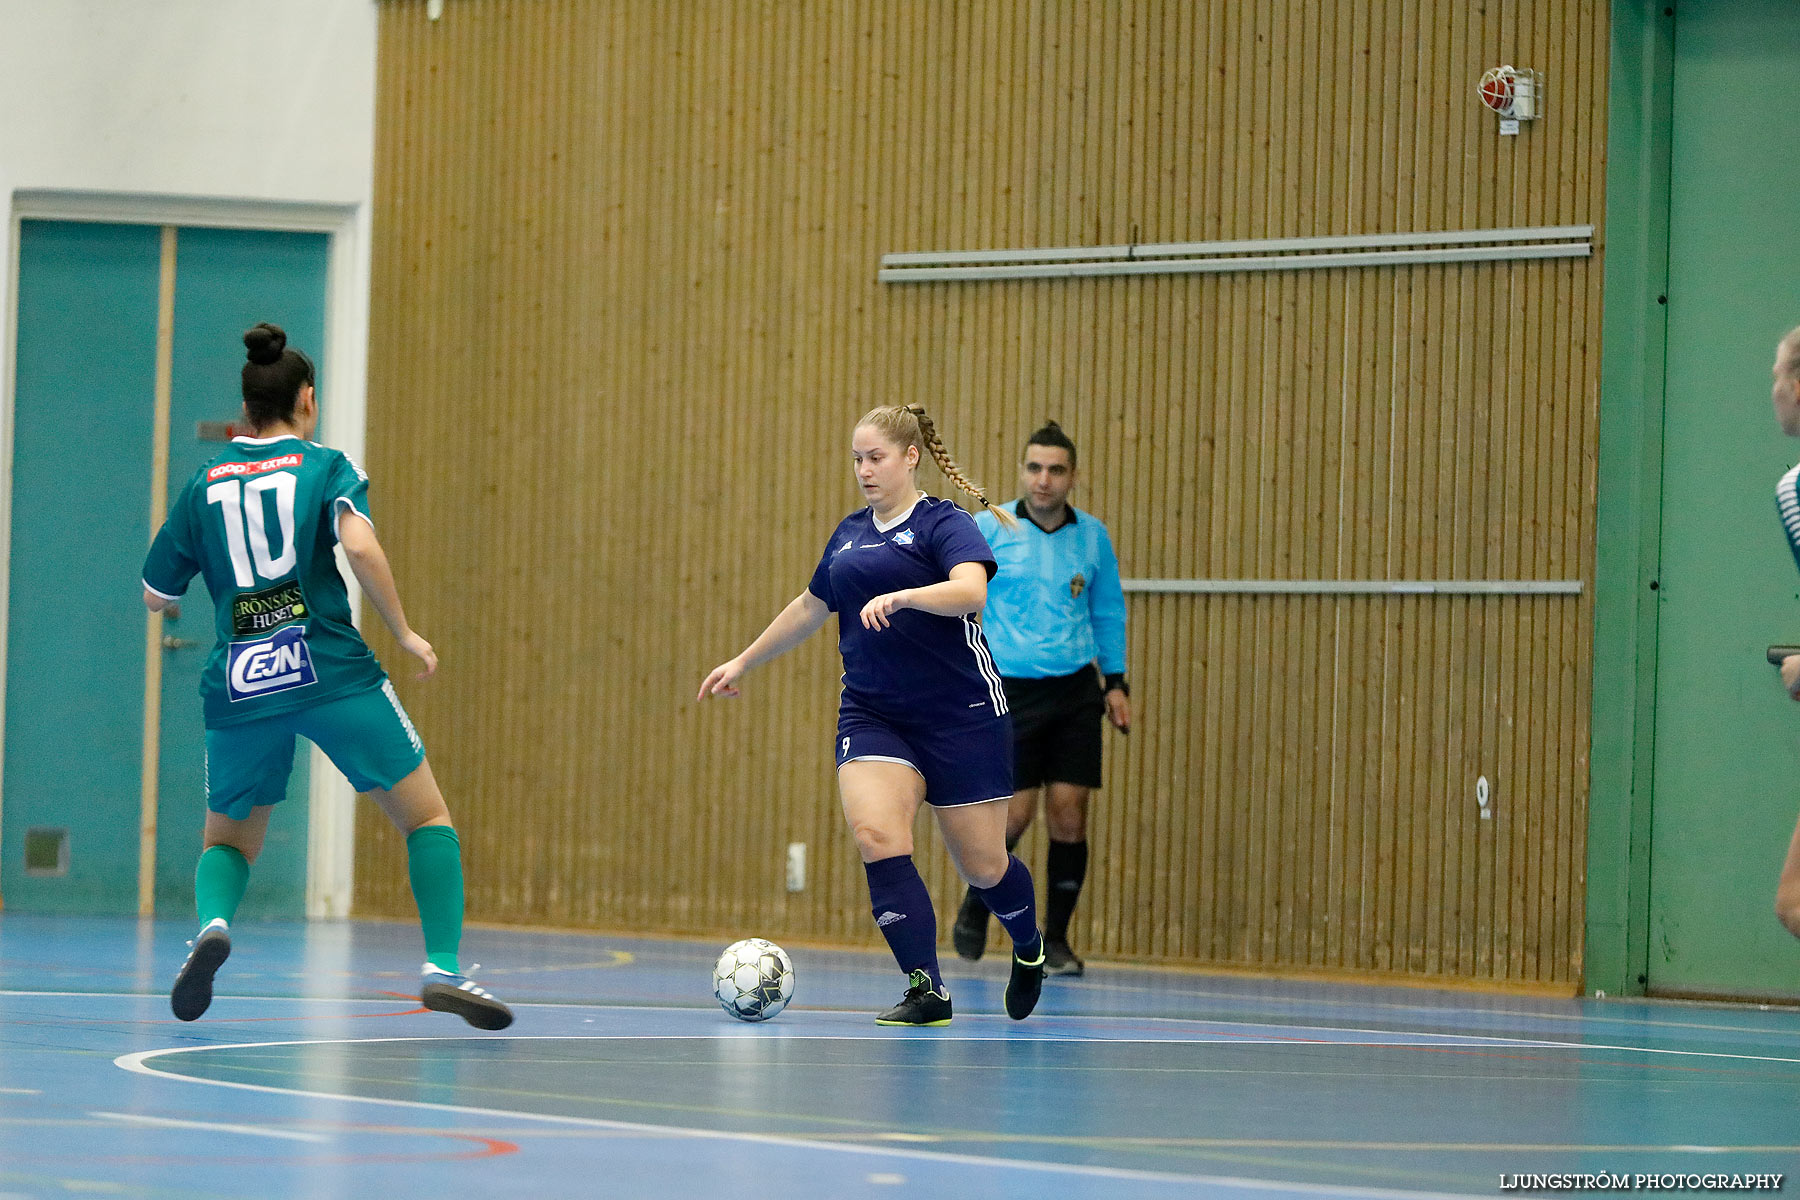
(923, 716)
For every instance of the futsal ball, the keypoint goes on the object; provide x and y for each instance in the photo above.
(753, 979)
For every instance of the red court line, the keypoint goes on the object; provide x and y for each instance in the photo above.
(485, 1147)
(404, 1012)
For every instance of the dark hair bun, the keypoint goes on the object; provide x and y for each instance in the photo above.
(265, 343)
(1052, 425)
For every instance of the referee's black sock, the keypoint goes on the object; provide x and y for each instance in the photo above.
(1065, 871)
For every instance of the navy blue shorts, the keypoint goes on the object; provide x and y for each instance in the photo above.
(961, 764)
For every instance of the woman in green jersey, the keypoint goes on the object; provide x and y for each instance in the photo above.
(260, 523)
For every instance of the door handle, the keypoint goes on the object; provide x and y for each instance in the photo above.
(171, 642)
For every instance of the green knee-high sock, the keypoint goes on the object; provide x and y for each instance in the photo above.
(434, 865)
(219, 882)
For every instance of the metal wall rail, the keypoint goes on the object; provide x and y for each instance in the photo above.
(1360, 587)
(1262, 254)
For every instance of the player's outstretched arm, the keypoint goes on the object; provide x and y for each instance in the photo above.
(964, 592)
(793, 625)
(369, 563)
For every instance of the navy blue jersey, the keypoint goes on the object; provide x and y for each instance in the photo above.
(922, 667)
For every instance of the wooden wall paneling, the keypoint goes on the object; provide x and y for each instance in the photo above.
(656, 238)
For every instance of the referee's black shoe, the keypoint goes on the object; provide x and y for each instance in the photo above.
(1026, 984)
(970, 931)
(1060, 960)
(922, 1004)
(192, 993)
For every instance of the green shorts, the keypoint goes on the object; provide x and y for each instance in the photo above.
(367, 735)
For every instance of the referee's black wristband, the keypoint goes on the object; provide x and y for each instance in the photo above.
(1116, 681)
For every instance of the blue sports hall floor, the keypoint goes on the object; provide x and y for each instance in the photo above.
(316, 1074)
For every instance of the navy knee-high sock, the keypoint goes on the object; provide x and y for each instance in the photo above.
(1014, 903)
(902, 907)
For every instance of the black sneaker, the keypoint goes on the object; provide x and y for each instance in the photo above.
(192, 993)
(462, 996)
(1026, 984)
(969, 933)
(920, 1006)
(1060, 960)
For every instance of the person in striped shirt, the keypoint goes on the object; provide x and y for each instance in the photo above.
(1786, 396)
(1055, 609)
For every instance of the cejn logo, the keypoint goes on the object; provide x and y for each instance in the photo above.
(273, 664)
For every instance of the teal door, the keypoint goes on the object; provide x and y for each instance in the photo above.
(84, 411)
(226, 280)
(1727, 774)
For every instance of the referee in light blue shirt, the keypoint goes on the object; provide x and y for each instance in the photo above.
(1055, 609)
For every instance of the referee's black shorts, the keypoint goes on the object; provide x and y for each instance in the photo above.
(1056, 729)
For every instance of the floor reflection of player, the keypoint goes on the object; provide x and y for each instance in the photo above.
(260, 522)
(923, 716)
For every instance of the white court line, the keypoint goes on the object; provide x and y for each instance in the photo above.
(20, 1092)
(1090, 983)
(1427, 1039)
(213, 1126)
(1599, 1018)
(135, 1062)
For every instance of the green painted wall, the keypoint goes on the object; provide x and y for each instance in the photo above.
(1694, 743)
(1727, 739)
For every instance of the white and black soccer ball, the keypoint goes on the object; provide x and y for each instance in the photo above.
(753, 979)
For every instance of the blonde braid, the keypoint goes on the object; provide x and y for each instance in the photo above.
(929, 436)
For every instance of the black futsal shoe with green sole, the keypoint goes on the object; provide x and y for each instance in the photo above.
(192, 993)
(922, 1005)
(1026, 984)
(969, 932)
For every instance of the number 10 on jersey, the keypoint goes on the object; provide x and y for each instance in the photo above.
(246, 534)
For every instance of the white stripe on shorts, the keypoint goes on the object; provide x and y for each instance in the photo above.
(387, 689)
(985, 664)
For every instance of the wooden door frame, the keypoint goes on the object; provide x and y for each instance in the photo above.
(331, 840)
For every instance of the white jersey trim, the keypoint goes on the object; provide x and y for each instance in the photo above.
(883, 526)
(337, 515)
(159, 591)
